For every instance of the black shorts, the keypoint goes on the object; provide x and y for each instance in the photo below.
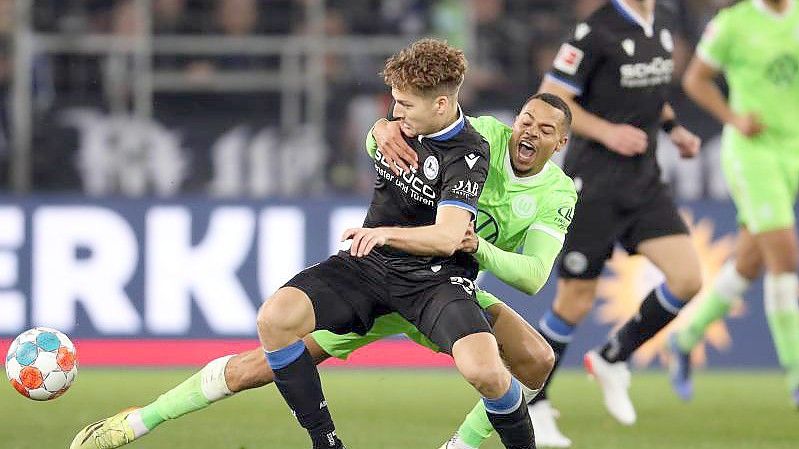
(602, 220)
(348, 293)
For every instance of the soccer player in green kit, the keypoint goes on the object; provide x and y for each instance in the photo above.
(756, 45)
(526, 203)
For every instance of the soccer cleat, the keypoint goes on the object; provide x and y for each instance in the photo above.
(106, 434)
(455, 443)
(547, 433)
(614, 379)
(680, 370)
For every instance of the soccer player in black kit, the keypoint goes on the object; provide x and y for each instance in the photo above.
(404, 257)
(615, 73)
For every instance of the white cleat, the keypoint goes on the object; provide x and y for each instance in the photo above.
(546, 430)
(455, 443)
(614, 379)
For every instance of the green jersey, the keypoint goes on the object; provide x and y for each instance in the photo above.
(531, 214)
(758, 51)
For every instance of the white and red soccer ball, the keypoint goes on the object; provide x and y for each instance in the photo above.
(41, 363)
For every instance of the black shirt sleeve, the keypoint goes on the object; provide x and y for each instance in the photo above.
(577, 59)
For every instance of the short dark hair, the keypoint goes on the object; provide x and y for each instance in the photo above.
(557, 103)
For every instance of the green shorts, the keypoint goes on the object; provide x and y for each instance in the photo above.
(763, 175)
(341, 346)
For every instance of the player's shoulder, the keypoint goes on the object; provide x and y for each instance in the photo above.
(561, 185)
(488, 124)
(470, 140)
(739, 11)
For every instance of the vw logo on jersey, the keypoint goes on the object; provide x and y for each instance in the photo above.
(524, 206)
(666, 40)
(430, 167)
(486, 226)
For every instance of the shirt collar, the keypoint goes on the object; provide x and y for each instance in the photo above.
(448, 132)
(632, 16)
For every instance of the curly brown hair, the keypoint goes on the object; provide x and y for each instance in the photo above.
(429, 67)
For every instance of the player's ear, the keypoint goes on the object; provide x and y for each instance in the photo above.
(441, 104)
(564, 139)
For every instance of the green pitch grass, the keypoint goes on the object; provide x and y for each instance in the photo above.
(415, 410)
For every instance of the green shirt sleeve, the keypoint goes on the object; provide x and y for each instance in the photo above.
(371, 144)
(717, 41)
(527, 272)
(543, 241)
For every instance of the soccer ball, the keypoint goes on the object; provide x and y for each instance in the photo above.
(41, 363)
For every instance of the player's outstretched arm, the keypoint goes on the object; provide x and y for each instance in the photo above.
(440, 239)
(699, 82)
(624, 139)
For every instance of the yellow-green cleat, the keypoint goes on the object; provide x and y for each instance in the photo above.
(106, 434)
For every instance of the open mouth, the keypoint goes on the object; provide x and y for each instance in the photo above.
(526, 152)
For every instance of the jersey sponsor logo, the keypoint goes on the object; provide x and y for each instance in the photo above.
(575, 262)
(666, 40)
(568, 59)
(465, 283)
(407, 181)
(524, 206)
(486, 226)
(466, 188)
(471, 159)
(645, 74)
(430, 167)
(581, 31)
(782, 70)
(628, 45)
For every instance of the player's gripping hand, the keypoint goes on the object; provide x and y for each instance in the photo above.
(749, 125)
(686, 142)
(398, 154)
(364, 239)
(469, 242)
(626, 140)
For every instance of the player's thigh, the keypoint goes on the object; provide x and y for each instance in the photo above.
(527, 354)
(589, 242)
(342, 345)
(343, 293)
(779, 249)
(448, 312)
(762, 185)
(676, 257)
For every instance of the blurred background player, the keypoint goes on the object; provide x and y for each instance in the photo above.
(615, 72)
(520, 159)
(756, 45)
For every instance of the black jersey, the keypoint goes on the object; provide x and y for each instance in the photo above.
(453, 165)
(619, 67)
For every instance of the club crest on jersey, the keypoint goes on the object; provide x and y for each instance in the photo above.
(568, 59)
(524, 206)
(466, 188)
(629, 46)
(471, 159)
(666, 40)
(430, 167)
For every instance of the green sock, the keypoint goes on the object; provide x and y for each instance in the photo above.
(476, 428)
(782, 313)
(711, 309)
(184, 398)
(784, 326)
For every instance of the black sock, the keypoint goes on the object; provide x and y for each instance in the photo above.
(298, 381)
(558, 333)
(658, 309)
(512, 425)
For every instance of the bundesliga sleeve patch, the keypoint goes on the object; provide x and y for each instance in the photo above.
(568, 59)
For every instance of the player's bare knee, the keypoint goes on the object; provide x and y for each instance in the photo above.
(490, 381)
